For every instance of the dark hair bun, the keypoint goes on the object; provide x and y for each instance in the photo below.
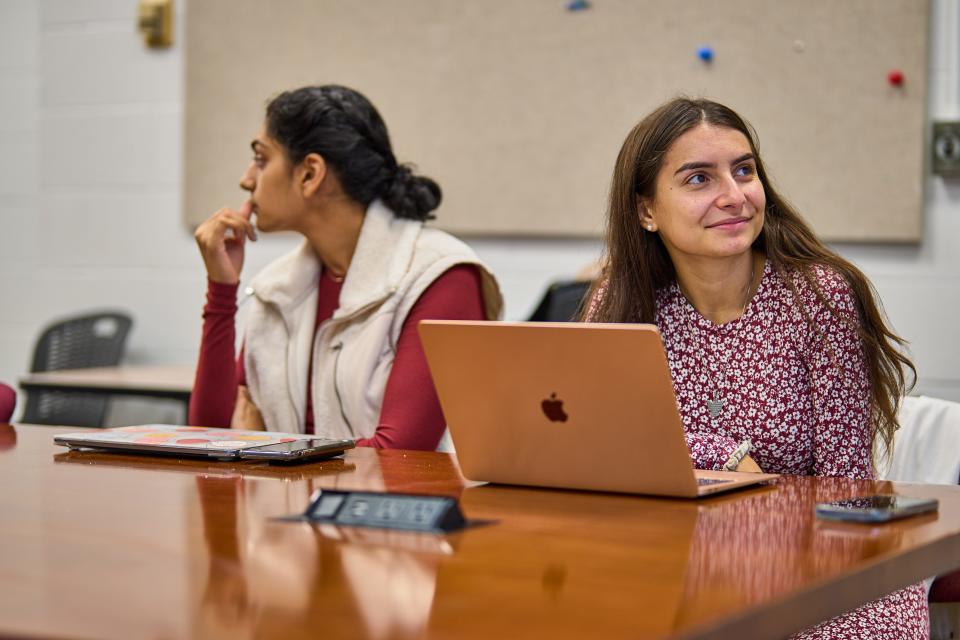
(343, 127)
(412, 197)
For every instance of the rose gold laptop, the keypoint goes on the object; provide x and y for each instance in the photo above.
(566, 405)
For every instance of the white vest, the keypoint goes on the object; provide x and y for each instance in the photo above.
(394, 262)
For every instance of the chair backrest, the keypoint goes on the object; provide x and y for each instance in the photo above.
(95, 339)
(561, 302)
(926, 448)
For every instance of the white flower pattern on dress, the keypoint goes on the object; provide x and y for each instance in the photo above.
(802, 395)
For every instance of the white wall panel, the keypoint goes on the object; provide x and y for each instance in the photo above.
(16, 346)
(17, 233)
(18, 35)
(18, 289)
(116, 230)
(924, 311)
(18, 100)
(89, 71)
(110, 150)
(58, 12)
(18, 162)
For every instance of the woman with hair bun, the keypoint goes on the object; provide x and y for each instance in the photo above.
(330, 343)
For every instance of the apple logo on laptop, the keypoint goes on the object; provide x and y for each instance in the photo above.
(553, 409)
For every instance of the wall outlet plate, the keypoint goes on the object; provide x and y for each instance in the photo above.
(946, 149)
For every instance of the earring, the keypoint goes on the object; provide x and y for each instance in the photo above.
(649, 227)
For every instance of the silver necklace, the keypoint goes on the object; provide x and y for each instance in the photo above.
(715, 404)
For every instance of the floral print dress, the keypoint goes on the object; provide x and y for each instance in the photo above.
(790, 376)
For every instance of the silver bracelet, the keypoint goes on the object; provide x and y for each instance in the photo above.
(737, 456)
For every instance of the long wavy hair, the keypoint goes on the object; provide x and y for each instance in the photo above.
(637, 263)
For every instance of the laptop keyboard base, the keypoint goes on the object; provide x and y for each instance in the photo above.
(704, 482)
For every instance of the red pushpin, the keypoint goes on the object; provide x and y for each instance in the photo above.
(895, 78)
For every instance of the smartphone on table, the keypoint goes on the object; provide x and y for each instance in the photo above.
(878, 508)
(314, 448)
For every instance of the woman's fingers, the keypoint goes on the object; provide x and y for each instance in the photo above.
(223, 225)
(221, 238)
(246, 210)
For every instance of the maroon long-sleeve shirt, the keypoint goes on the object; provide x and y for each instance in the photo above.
(410, 417)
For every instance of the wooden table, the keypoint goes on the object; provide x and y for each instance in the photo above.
(155, 381)
(115, 546)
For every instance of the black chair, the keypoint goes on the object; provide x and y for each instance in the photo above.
(561, 302)
(91, 340)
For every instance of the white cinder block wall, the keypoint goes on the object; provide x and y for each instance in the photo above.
(90, 194)
(19, 98)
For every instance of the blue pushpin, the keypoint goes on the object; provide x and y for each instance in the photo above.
(578, 5)
(705, 54)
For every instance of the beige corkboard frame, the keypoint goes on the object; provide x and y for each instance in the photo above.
(518, 109)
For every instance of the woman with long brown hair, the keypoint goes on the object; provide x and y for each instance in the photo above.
(779, 352)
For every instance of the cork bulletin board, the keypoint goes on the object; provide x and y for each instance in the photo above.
(518, 109)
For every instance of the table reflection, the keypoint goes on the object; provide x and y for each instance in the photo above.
(8, 437)
(749, 547)
(569, 575)
(267, 577)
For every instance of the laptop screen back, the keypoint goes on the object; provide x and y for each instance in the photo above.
(569, 405)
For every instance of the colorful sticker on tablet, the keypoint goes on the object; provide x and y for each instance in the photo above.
(229, 444)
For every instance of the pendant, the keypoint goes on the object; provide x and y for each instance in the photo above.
(715, 406)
